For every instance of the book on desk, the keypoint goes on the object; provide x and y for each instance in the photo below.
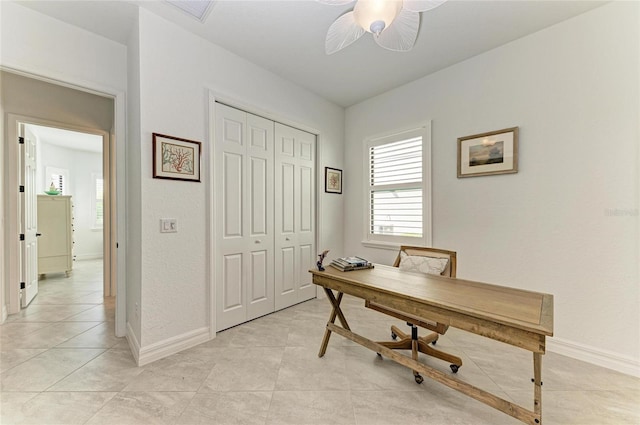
(346, 264)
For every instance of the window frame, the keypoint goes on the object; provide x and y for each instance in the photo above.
(62, 174)
(389, 241)
(95, 225)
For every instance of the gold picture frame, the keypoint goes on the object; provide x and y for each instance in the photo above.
(487, 154)
(175, 158)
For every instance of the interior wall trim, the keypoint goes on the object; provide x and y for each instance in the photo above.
(594, 355)
(169, 346)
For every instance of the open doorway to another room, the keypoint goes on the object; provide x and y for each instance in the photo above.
(69, 187)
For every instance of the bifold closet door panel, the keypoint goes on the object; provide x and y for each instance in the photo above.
(230, 255)
(295, 215)
(260, 217)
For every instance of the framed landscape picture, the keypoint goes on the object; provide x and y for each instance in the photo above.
(175, 158)
(487, 154)
(332, 180)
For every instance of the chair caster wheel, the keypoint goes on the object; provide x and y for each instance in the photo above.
(394, 336)
(419, 379)
(454, 368)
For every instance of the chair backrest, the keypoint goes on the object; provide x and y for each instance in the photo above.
(421, 251)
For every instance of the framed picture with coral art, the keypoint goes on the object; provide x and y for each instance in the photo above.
(175, 158)
(332, 180)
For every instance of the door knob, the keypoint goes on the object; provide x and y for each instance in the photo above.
(38, 234)
(258, 241)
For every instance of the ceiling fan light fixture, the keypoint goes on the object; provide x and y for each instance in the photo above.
(376, 15)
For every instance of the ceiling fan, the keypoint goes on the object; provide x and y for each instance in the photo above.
(393, 23)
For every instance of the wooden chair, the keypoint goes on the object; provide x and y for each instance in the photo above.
(408, 256)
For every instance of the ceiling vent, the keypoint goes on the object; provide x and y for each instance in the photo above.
(198, 9)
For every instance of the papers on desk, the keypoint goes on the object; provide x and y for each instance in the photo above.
(346, 264)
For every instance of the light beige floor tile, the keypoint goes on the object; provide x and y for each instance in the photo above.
(244, 369)
(13, 357)
(268, 331)
(111, 371)
(44, 370)
(66, 408)
(50, 336)
(100, 336)
(143, 408)
(99, 313)
(311, 408)
(50, 313)
(12, 330)
(179, 372)
(367, 371)
(585, 407)
(227, 408)
(396, 407)
(302, 369)
(309, 333)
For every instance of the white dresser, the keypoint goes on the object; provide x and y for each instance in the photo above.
(55, 225)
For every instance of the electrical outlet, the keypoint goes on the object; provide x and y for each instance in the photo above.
(168, 225)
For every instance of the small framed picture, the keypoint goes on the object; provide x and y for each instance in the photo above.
(175, 158)
(332, 180)
(487, 154)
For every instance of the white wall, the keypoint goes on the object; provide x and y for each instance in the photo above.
(176, 71)
(567, 222)
(39, 45)
(81, 165)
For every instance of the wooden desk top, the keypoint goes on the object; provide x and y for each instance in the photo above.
(526, 310)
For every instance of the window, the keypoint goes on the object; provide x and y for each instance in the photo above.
(398, 203)
(57, 177)
(97, 205)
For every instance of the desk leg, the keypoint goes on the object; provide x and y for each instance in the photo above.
(537, 389)
(336, 312)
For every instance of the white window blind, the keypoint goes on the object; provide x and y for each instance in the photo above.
(58, 178)
(97, 206)
(396, 188)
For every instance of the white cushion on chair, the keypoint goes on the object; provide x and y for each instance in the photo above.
(422, 264)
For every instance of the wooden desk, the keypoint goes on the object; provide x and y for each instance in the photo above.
(513, 316)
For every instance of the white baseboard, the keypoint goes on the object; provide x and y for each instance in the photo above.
(134, 345)
(171, 346)
(599, 357)
(82, 257)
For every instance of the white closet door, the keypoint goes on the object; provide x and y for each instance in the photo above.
(260, 279)
(244, 221)
(295, 215)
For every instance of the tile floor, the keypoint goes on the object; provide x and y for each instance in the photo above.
(60, 363)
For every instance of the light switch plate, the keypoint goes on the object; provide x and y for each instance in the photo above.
(168, 225)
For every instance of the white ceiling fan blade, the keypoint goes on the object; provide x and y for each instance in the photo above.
(401, 34)
(421, 5)
(335, 2)
(342, 32)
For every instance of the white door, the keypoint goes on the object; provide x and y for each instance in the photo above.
(295, 215)
(29, 219)
(244, 216)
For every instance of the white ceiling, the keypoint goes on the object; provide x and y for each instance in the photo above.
(67, 139)
(287, 37)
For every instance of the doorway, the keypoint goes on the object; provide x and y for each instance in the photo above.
(66, 193)
(37, 100)
(69, 170)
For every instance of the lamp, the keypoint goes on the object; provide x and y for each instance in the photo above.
(376, 15)
(393, 23)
